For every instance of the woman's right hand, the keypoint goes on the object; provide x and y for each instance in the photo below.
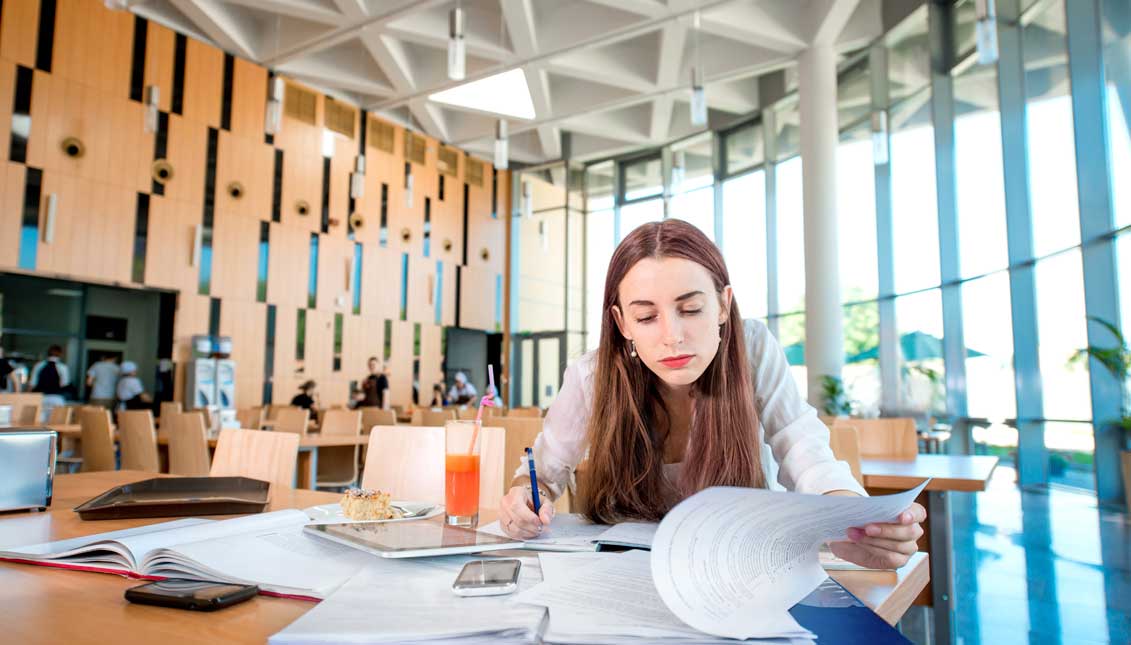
(517, 517)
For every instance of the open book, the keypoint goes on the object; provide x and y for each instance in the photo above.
(268, 549)
(572, 532)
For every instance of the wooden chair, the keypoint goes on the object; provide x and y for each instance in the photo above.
(845, 443)
(188, 445)
(530, 411)
(893, 438)
(28, 415)
(137, 439)
(432, 418)
(19, 401)
(60, 415)
(291, 419)
(337, 465)
(468, 414)
(374, 416)
(520, 435)
(167, 410)
(408, 463)
(97, 441)
(267, 456)
(250, 418)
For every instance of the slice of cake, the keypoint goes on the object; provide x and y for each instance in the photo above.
(365, 504)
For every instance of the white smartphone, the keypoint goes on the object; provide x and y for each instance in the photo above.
(487, 578)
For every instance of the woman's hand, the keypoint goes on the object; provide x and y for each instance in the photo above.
(516, 514)
(883, 546)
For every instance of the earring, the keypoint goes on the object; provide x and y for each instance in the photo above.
(633, 352)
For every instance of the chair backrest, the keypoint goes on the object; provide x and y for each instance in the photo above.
(408, 463)
(137, 439)
(60, 415)
(188, 445)
(168, 409)
(893, 438)
(374, 416)
(432, 418)
(338, 421)
(292, 419)
(845, 443)
(530, 411)
(20, 400)
(267, 456)
(467, 414)
(250, 418)
(28, 415)
(520, 435)
(97, 440)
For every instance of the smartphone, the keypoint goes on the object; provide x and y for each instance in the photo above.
(487, 578)
(191, 594)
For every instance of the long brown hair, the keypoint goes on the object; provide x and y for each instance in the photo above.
(630, 422)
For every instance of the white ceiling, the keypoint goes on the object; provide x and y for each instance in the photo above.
(613, 73)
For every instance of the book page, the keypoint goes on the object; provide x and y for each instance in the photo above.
(633, 534)
(725, 555)
(567, 531)
(141, 545)
(100, 548)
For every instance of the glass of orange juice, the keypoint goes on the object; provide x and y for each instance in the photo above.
(461, 472)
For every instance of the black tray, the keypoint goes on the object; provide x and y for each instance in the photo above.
(177, 497)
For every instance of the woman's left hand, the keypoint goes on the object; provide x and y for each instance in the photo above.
(883, 546)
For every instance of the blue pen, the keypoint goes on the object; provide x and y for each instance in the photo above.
(533, 482)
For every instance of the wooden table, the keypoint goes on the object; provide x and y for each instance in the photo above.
(958, 473)
(45, 605)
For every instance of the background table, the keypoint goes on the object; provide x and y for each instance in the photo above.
(46, 605)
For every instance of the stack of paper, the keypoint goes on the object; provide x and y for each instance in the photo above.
(398, 601)
(572, 532)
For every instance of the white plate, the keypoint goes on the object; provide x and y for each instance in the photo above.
(332, 513)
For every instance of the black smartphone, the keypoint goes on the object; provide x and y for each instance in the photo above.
(191, 594)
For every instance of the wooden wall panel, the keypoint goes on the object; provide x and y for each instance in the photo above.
(286, 319)
(18, 31)
(484, 231)
(188, 153)
(94, 229)
(319, 344)
(93, 46)
(477, 302)
(204, 83)
(11, 213)
(251, 163)
(171, 234)
(380, 281)
(130, 153)
(333, 273)
(448, 310)
(245, 322)
(431, 359)
(159, 53)
(341, 166)
(7, 91)
(40, 110)
(249, 98)
(399, 367)
(287, 265)
(302, 174)
(234, 266)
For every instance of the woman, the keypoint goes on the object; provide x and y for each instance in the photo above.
(306, 398)
(130, 391)
(673, 401)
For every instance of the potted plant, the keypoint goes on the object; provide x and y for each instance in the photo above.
(1116, 360)
(837, 403)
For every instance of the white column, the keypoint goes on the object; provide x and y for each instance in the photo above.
(824, 335)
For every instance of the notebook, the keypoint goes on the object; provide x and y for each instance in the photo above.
(269, 550)
(570, 532)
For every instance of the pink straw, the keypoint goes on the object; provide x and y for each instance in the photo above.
(486, 401)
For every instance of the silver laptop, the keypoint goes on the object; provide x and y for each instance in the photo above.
(27, 469)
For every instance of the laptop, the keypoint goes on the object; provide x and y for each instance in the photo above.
(28, 472)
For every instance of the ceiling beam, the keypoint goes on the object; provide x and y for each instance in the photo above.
(214, 20)
(668, 63)
(353, 10)
(828, 18)
(430, 118)
(391, 57)
(519, 18)
(294, 9)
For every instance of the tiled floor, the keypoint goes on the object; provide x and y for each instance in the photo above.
(1039, 567)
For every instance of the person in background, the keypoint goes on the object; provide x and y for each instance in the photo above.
(9, 378)
(373, 386)
(131, 393)
(438, 400)
(51, 378)
(307, 398)
(462, 392)
(102, 379)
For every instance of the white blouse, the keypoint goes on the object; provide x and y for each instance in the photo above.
(798, 441)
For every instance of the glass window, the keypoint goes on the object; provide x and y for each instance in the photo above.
(599, 245)
(692, 185)
(988, 331)
(791, 335)
(861, 357)
(1072, 452)
(1061, 331)
(914, 209)
(643, 178)
(922, 375)
(599, 186)
(1117, 63)
(744, 241)
(745, 148)
(637, 213)
(856, 209)
(1123, 257)
(790, 272)
(965, 25)
(1052, 151)
(909, 56)
(698, 208)
(983, 247)
(853, 94)
(787, 126)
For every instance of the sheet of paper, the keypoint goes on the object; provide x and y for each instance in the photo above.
(636, 534)
(63, 548)
(142, 545)
(725, 555)
(394, 601)
(613, 595)
(567, 530)
(282, 560)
